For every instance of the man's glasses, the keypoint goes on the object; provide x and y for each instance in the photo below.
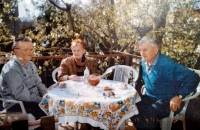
(26, 50)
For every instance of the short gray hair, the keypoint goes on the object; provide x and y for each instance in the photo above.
(24, 39)
(149, 40)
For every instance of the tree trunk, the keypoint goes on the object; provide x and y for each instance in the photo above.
(68, 8)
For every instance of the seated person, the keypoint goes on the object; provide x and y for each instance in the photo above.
(166, 83)
(72, 68)
(20, 81)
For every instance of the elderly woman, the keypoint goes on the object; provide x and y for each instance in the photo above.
(72, 68)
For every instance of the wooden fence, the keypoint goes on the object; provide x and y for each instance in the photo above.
(46, 64)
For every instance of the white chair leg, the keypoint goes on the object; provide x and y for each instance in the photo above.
(75, 125)
(170, 119)
(30, 117)
(167, 122)
(57, 125)
(164, 124)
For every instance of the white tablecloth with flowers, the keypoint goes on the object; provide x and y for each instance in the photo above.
(80, 102)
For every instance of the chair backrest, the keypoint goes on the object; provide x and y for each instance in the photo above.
(54, 74)
(123, 73)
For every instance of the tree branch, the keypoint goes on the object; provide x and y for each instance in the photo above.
(56, 5)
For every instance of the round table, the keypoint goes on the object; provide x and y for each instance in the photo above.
(79, 102)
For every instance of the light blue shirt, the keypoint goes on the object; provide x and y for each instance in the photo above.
(149, 68)
(21, 82)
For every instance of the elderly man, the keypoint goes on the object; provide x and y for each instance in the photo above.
(19, 80)
(166, 83)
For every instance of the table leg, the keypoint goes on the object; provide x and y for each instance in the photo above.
(122, 126)
(76, 126)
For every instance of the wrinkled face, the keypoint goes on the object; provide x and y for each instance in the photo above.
(24, 51)
(77, 51)
(148, 51)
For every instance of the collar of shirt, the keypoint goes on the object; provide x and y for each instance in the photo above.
(19, 61)
(149, 68)
(27, 69)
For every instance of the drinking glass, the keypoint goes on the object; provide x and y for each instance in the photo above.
(93, 80)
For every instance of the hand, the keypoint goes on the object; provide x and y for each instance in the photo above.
(61, 84)
(175, 103)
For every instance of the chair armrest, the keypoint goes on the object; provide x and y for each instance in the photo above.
(197, 93)
(54, 74)
(191, 97)
(105, 73)
(15, 101)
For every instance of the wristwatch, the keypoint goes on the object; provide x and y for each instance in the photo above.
(180, 96)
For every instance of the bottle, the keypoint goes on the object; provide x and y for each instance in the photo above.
(86, 74)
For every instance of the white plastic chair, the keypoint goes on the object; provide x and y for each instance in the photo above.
(54, 74)
(166, 123)
(20, 115)
(123, 73)
(12, 116)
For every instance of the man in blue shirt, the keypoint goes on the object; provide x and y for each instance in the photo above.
(166, 83)
(20, 81)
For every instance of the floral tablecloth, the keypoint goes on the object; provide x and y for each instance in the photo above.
(80, 102)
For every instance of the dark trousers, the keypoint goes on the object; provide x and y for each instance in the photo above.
(150, 112)
(30, 107)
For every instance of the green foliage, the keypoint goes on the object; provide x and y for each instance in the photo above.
(4, 33)
(108, 24)
(115, 26)
(181, 40)
(5, 14)
(52, 27)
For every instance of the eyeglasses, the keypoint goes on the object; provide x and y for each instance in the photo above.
(26, 50)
